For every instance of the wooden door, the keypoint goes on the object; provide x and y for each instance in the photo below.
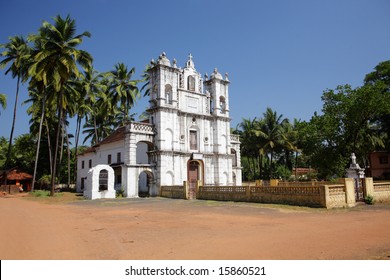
(193, 177)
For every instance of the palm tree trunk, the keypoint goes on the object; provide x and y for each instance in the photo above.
(8, 161)
(54, 169)
(270, 164)
(95, 127)
(39, 141)
(78, 127)
(49, 147)
(68, 151)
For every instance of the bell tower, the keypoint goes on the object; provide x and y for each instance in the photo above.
(219, 94)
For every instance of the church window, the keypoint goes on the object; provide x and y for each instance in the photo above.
(109, 159)
(222, 103)
(90, 163)
(193, 140)
(82, 183)
(168, 94)
(82, 164)
(103, 180)
(383, 160)
(191, 83)
(154, 91)
(118, 157)
(234, 153)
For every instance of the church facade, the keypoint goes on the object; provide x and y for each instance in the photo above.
(186, 138)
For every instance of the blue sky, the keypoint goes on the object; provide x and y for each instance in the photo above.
(279, 54)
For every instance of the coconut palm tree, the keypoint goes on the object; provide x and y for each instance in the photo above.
(3, 101)
(271, 131)
(55, 63)
(249, 142)
(146, 77)
(16, 53)
(122, 89)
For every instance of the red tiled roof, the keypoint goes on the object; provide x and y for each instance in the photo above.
(17, 174)
(117, 135)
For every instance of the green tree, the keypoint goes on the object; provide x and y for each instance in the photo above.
(3, 101)
(123, 90)
(55, 63)
(381, 77)
(16, 54)
(271, 132)
(249, 147)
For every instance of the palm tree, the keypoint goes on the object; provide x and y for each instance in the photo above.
(146, 77)
(3, 101)
(249, 142)
(55, 63)
(17, 53)
(37, 108)
(123, 89)
(271, 131)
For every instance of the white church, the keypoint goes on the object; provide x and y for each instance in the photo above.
(186, 138)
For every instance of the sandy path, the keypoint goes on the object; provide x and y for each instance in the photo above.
(158, 228)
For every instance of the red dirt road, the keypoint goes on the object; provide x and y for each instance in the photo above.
(157, 228)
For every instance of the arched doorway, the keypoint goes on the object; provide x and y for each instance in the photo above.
(195, 173)
(145, 180)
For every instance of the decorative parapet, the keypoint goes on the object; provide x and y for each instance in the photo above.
(234, 138)
(139, 127)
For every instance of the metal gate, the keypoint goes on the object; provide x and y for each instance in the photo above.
(359, 189)
(193, 177)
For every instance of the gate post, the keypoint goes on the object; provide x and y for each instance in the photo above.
(185, 189)
(368, 186)
(349, 184)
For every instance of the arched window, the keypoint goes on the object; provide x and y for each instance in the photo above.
(193, 140)
(168, 94)
(211, 106)
(103, 180)
(191, 83)
(234, 153)
(222, 103)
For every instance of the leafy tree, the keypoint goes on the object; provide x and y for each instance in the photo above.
(123, 90)
(3, 151)
(55, 63)
(381, 78)
(3, 101)
(272, 133)
(16, 54)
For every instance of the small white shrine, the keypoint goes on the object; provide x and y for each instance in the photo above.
(186, 138)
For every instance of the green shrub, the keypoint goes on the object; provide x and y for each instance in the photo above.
(40, 193)
(369, 199)
(120, 193)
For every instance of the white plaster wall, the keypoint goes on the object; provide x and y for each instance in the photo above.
(142, 156)
(92, 187)
(98, 157)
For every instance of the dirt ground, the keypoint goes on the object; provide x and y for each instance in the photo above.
(158, 228)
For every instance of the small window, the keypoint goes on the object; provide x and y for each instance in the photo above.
(118, 158)
(82, 165)
(222, 103)
(82, 183)
(103, 180)
(234, 153)
(191, 83)
(168, 94)
(193, 140)
(90, 163)
(384, 160)
(109, 159)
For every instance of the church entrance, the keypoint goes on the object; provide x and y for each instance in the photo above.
(195, 174)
